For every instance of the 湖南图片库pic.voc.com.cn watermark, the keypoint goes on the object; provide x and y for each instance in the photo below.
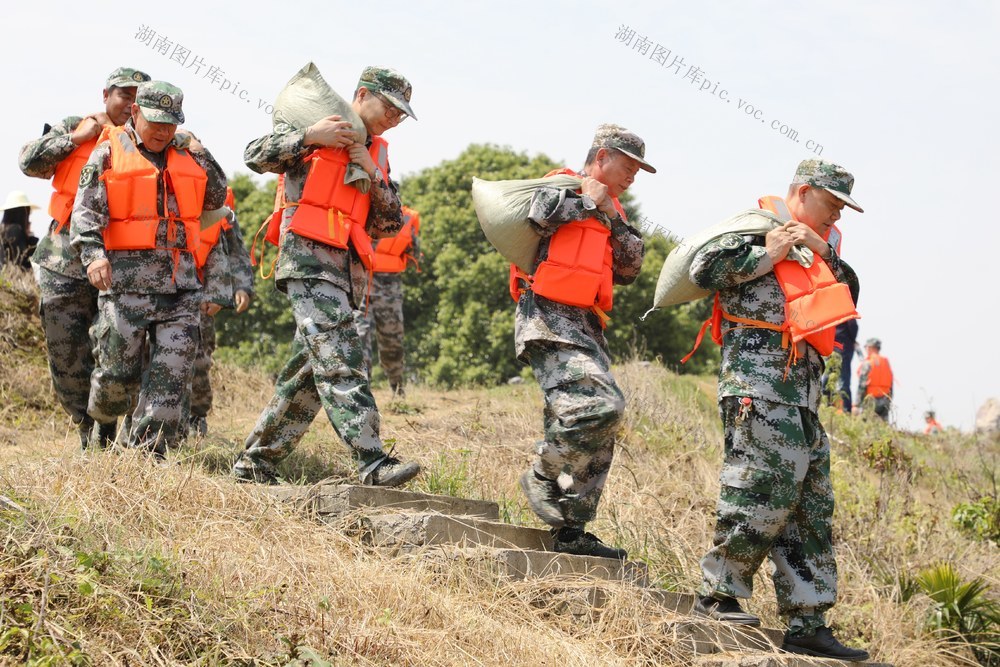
(673, 63)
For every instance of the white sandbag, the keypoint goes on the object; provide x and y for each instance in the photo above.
(308, 98)
(502, 208)
(674, 285)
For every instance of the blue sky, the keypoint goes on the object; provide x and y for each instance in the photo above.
(902, 94)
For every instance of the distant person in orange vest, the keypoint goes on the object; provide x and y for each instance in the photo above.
(875, 380)
(932, 424)
(69, 301)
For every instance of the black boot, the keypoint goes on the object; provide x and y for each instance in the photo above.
(573, 540)
(84, 428)
(822, 644)
(104, 435)
(391, 472)
(543, 497)
(724, 608)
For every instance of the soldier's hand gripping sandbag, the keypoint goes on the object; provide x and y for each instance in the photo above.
(674, 285)
(502, 208)
(308, 98)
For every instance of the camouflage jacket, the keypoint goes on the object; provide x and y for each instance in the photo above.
(39, 159)
(162, 270)
(237, 258)
(538, 318)
(864, 375)
(753, 360)
(283, 152)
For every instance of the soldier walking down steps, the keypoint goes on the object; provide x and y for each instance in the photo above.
(559, 330)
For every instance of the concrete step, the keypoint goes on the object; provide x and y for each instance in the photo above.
(733, 659)
(339, 499)
(519, 564)
(703, 636)
(586, 602)
(420, 529)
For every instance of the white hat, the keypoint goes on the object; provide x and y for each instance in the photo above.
(17, 199)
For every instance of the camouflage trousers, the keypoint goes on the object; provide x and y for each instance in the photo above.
(326, 370)
(880, 405)
(385, 314)
(201, 387)
(68, 310)
(171, 322)
(776, 501)
(198, 398)
(583, 408)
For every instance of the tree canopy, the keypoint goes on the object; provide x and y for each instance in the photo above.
(459, 316)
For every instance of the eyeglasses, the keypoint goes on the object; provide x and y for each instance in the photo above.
(391, 111)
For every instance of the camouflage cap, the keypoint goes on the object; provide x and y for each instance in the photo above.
(831, 177)
(609, 135)
(125, 77)
(874, 342)
(929, 414)
(160, 102)
(391, 84)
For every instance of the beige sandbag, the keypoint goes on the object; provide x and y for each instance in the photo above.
(308, 98)
(209, 218)
(674, 285)
(502, 208)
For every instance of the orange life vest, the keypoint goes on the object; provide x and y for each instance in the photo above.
(209, 236)
(932, 427)
(578, 268)
(391, 253)
(815, 303)
(132, 183)
(879, 376)
(330, 211)
(66, 181)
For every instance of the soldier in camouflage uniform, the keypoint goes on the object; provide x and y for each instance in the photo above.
(568, 353)
(240, 276)
(154, 291)
(776, 498)
(69, 301)
(324, 285)
(385, 314)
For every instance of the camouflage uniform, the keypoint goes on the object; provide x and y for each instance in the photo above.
(324, 284)
(568, 353)
(68, 306)
(240, 275)
(776, 498)
(385, 315)
(152, 291)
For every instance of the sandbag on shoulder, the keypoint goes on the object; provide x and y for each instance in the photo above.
(674, 285)
(502, 208)
(308, 98)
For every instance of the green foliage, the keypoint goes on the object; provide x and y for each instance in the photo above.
(887, 455)
(979, 520)
(458, 311)
(449, 476)
(962, 611)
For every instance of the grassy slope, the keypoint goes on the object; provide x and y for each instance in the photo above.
(117, 562)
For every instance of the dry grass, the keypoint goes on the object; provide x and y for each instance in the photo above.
(114, 561)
